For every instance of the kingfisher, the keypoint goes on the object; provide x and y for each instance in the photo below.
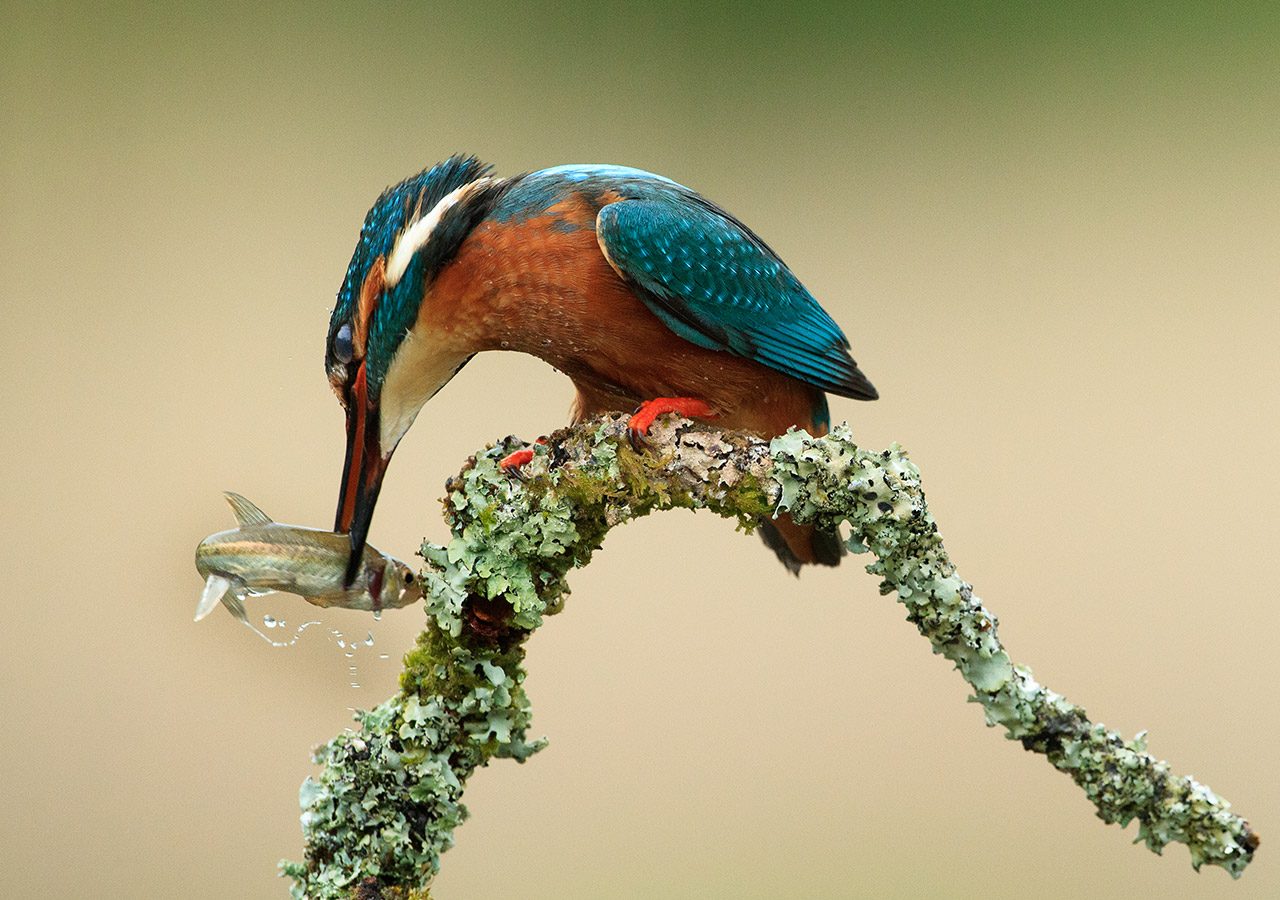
(651, 298)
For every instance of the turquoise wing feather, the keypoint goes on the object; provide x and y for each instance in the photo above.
(716, 284)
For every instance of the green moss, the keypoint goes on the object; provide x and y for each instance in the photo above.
(428, 665)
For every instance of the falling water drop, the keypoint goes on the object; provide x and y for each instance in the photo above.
(377, 615)
(368, 642)
(270, 621)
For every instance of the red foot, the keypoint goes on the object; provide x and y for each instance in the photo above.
(643, 418)
(515, 461)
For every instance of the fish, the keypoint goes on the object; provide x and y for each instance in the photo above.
(262, 556)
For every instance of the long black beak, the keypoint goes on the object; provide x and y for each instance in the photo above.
(362, 473)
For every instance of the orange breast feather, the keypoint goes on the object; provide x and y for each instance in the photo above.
(542, 286)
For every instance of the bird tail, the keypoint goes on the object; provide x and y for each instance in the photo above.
(799, 545)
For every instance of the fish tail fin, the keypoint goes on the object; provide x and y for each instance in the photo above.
(215, 588)
(219, 587)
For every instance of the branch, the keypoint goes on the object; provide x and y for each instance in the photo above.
(389, 796)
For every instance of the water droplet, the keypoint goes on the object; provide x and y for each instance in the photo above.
(270, 621)
(377, 615)
(505, 344)
(368, 642)
(348, 655)
(341, 642)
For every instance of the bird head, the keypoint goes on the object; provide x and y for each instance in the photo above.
(386, 355)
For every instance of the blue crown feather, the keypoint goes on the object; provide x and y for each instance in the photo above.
(389, 216)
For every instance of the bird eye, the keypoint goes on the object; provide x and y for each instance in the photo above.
(342, 349)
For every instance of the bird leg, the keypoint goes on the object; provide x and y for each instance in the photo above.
(643, 418)
(513, 462)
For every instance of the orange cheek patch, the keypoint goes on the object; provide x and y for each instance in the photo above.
(371, 291)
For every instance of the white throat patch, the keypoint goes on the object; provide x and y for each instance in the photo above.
(415, 237)
(422, 365)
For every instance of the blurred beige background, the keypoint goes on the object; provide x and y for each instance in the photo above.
(1053, 240)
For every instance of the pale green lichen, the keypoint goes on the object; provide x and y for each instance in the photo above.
(388, 797)
(881, 495)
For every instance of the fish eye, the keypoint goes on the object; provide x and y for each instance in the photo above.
(408, 577)
(342, 347)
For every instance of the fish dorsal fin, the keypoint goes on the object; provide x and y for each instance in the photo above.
(246, 512)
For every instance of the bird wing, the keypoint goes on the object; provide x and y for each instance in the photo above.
(716, 284)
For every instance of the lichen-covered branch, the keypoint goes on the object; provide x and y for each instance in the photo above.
(388, 797)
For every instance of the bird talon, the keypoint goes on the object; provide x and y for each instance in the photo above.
(513, 463)
(636, 438)
(646, 414)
